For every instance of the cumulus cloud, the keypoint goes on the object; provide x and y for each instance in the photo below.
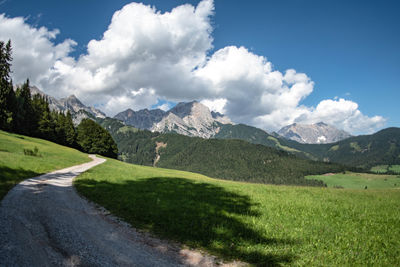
(34, 52)
(146, 55)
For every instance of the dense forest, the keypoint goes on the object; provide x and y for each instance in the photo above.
(30, 115)
(363, 151)
(226, 159)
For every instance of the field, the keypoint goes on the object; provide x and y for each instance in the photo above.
(386, 168)
(260, 224)
(15, 166)
(359, 180)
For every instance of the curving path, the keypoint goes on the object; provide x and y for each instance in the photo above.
(43, 222)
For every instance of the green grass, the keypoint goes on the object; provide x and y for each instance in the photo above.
(385, 168)
(15, 166)
(261, 224)
(359, 180)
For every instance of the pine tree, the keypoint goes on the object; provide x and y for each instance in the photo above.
(7, 95)
(70, 132)
(46, 125)
(25, 121)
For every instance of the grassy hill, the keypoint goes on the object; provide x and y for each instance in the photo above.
(227, 159)
(266, 225)
(19, 161)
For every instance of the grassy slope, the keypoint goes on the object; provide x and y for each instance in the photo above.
(359, 180)
(15, 166)
(261, 224)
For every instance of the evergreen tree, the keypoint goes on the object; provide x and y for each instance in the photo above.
(7, 95)
(92, 138)
(45, 124)
(70, 132)
(25, 121)
(59, 130)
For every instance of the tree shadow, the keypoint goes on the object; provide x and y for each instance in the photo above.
(197, 214)
(9, 177)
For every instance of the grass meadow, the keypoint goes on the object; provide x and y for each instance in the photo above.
(19, 161)
(265, 225)
(386, 168)
(359, 180)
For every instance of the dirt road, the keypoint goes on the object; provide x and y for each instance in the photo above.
(43, 222)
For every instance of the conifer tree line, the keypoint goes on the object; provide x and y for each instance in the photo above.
(22, 113)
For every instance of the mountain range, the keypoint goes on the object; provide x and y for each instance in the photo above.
(171, 139)
(72, 104)
(190, 118)
(195, 119)
(318, 133)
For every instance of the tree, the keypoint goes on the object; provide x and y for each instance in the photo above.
(92, 138)
(7, 95)
(70, 132)
(25, 121)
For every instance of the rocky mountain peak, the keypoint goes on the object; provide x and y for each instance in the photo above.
(318, 133)
(184, 109)
(188, 118)
(72, 104)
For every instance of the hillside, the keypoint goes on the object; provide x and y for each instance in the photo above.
(19, 161)
(264, 225)
(364, 151)
(227, 159)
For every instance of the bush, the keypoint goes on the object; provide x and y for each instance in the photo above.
(33, 153)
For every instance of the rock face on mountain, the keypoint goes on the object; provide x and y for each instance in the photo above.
(318, 133)
(72, 104)
(191, 119)
(142, 119)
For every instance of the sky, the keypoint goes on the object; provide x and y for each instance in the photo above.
(263, 63)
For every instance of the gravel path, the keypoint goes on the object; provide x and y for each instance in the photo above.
(43, 222)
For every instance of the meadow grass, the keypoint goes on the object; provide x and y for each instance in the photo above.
(265, 225)
(15, 165)
(385, 168)
(359, 180)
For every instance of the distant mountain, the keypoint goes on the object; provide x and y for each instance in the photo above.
(72, 104)
(258, 136)
(191, 119)
(318, 133)
(142, 119)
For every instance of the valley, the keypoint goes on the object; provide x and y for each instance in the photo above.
(234, 220)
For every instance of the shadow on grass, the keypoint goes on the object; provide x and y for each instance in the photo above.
(10, 177)
(196, 214)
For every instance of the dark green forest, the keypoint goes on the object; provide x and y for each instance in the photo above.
(227, 159)
(362, 152)
(22, 113)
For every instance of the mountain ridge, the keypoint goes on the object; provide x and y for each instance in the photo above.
(78, 110)
(187, 118)
(317, 133)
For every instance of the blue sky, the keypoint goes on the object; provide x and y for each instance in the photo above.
(348, 49)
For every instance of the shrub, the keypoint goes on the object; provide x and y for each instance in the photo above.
(33, 153)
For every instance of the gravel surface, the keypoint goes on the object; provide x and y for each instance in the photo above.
(43, 222)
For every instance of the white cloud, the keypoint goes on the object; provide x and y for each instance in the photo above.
(34, 51)
(217, 105)
(164, 107)
(146, 55)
